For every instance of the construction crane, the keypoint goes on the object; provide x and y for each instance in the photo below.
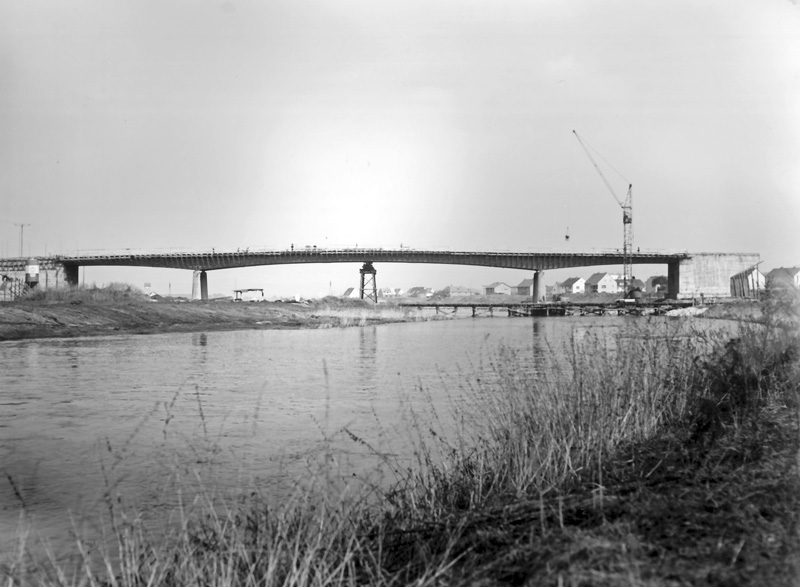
(627, 222)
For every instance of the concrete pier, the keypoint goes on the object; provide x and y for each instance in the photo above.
(199, 285)
(537, 288)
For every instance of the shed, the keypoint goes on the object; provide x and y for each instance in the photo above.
(747, 283)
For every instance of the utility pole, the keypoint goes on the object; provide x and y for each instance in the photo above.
(21, 230)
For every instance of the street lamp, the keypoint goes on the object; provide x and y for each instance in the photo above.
(21, 229)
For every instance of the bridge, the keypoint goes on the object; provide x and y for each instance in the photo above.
(202, 262)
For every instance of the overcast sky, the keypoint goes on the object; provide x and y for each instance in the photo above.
(155, 124)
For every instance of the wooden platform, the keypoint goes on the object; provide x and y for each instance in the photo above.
(528, 309)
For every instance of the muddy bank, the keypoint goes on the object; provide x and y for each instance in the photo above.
(35, 319)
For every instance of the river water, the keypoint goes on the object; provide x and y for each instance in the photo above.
(134, 417)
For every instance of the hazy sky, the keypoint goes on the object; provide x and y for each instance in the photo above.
(154, 124)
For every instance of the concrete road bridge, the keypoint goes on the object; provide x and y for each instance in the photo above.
(687, 273)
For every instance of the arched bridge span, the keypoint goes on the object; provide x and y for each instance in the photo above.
(201, 262)
(208, 261)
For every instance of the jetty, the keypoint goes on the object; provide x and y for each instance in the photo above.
(529, 309)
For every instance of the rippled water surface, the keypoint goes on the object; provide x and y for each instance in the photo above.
(132, 413)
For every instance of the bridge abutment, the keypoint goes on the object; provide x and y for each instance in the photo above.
(706, 274)
(199, 285)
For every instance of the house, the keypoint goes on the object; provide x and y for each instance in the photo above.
(498, 287)
(656, 284)
(419, 292)
(783, 277)
(636, 284)
(460, 290)
(601, 283)
(747, 283)
(524, 288)
(573, 285)
(352, 292)
(386, 292)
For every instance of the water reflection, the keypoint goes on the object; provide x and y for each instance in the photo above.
(367, 359)
(200, 340)
(243, 402)
(538, 345)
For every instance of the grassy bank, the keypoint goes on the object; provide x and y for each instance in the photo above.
(660, 456)
(121, 308)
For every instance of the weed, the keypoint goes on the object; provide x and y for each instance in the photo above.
(583, 470)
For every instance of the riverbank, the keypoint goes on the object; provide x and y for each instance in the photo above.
(121, 309)
(121, 312)
(666, 457)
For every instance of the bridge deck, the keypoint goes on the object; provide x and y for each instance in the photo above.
(208, 261)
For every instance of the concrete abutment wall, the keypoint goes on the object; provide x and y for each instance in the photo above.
(707, 274)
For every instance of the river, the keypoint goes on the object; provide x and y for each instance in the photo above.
(135, 417)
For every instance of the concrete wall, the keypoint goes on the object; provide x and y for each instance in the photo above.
(710, 274)
(55, 277)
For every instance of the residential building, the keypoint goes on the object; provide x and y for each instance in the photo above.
(524, 288)
(460, 290)
(656, 284)
(783, 277)
(573, 285)
(498, 287)
(419, 292)
(634, 284)
(637, 284)
(601, 283)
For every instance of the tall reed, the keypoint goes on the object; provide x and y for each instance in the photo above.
(529, 431)
(538, 426)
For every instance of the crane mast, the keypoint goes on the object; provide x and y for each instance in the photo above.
(627, 221)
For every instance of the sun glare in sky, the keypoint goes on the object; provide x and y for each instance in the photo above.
(164, 125)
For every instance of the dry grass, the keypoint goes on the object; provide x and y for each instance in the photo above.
(111, 293)
(656, 457)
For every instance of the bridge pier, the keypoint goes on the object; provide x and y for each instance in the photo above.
(369, 289)
(71, 273)
(537, 287)
(199, 285)
(673, 280)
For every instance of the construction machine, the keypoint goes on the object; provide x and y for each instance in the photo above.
(627, 221)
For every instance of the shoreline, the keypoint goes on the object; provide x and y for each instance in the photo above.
(34, 319)
(698, 485)
(25, 320)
